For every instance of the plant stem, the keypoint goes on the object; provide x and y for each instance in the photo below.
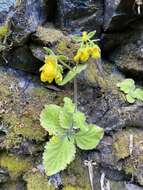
(75, 93)
(64, 64)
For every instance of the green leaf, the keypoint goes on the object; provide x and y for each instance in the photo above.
(68, 105)
(66, 113)
(88, 140)
(72, 73)
(79, 121)
(127, 85)
(138, 93)
(91, 34)
(58, 155)
(48, 119)
(130, 99)
(62, 58)
(65, 119)
(48, 51)
(77, 38)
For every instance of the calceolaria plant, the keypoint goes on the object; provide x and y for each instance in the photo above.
(68, 128)
(131, 92)
(66, 125)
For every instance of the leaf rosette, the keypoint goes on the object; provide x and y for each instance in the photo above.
(69, 128)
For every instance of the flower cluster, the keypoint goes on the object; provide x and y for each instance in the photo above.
(83, 54)
(87, 49)
(51, 70)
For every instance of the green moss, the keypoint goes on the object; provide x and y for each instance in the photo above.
(121, 145)
(23, 126)
(11, 119)
(129, 167)
(49, 34)
(11, 141)
(76, 176)
(17, 3)
(3, 31)
(15, 165)
(4, 91)
(66, 47)
(10, 185)
(69, 187)
(131, 162)
(30, 129)
(37, 181)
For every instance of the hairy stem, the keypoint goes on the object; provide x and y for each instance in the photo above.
(64, 64)
(75, 93)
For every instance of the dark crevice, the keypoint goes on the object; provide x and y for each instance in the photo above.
(52, 10)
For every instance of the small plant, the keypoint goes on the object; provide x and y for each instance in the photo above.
(68, 128)
(66, 125)
(131, 92)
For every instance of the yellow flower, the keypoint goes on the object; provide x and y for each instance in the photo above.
(89, 50)
(96, 52)
(50, 133)
(77, 57)
(82, 55)
(48, 72)
(59, 77)
(54, 139)
(51, 70)
(84, 37)
(50, 58)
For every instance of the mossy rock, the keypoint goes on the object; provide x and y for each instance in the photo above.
(69, 187)
(30, 129)
(16, 166)
(130, 154)
(66, 47)
(47, 34)
(76, 176)
(20, 109)
(121, 145)
(37, 181)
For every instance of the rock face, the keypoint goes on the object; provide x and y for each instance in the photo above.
(20, 117)
(21, 137)
(21, 58)
(22, 19)
(81, 15)
(5, 8)
(129, 56)
(26, 18)
(119, 156)
(120, 19)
